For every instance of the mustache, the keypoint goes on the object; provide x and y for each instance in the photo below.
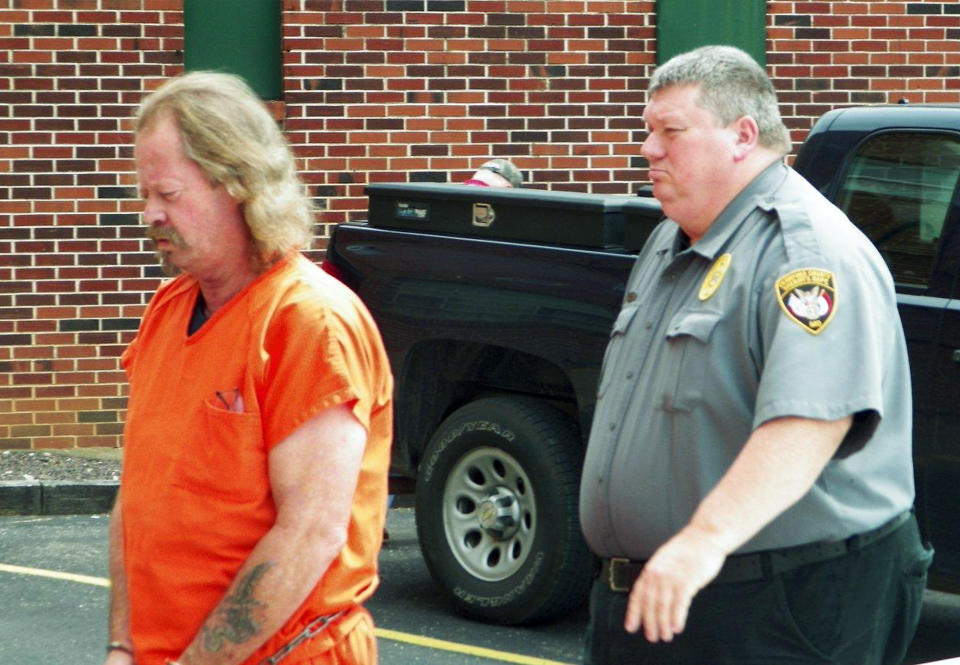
(157, 233)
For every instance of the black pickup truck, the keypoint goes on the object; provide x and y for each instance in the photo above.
(496, 306)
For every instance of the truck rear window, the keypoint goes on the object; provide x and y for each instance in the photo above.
(898, 188)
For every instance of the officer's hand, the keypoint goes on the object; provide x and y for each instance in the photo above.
(661, 596)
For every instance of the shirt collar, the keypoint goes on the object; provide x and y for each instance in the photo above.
(758, 193)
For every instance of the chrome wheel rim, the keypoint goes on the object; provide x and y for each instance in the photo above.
(489, 514)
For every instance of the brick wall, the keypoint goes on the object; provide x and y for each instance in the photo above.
(822, 55)
(375, 90)
(74, 276)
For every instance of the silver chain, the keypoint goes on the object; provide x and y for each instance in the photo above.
(313, 629)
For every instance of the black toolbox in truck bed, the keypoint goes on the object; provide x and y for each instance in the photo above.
(532, 215)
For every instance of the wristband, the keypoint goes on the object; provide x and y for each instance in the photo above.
(119, 646)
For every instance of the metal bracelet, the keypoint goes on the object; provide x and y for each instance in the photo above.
(119, 646)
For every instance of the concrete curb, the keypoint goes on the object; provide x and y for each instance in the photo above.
(55, 497)
(65, 497)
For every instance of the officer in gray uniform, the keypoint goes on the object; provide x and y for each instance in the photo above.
(748, 481)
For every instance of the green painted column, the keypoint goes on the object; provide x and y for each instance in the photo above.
(683, 25)
(237, 36)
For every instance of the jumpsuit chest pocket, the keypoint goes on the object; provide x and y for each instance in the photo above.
(225, 460)
(689, 357)
(616, 347)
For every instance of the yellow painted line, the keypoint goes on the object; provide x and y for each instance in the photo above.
(53, 574)
(394, 635)
(465, 649)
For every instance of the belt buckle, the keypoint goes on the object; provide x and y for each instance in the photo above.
(611, 575)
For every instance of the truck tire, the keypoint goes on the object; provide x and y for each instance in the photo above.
(497, 511)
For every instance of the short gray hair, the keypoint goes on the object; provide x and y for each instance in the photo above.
(732, 85)
(226, 129)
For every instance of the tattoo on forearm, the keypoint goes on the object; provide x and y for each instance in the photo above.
(235, 619)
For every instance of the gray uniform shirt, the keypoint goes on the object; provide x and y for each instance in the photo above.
(783, 308)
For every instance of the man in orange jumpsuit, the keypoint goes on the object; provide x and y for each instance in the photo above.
(258, 429)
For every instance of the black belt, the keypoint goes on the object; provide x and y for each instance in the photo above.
(620, 574)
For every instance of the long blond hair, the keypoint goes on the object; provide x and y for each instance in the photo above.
(227, 131)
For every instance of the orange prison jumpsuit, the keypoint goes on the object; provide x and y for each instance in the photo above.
(196, 497)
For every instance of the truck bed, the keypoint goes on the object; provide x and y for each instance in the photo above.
(550, 313)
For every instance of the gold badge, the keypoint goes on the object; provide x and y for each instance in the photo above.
(808, 297)
(715, 277)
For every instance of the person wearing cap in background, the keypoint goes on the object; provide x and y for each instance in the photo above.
(496, 173)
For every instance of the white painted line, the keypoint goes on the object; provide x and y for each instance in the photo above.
(53, 574)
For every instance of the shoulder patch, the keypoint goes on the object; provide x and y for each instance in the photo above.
(808, 297)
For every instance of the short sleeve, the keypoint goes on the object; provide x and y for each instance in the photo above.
(320, 356)
(825, 337)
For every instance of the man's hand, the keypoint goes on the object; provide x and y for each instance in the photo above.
(757, 488)
(661, 596)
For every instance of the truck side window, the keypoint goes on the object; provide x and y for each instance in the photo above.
(897, 188)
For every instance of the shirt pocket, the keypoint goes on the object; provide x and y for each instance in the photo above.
(616, 347)
(227, 459)
(688, 350)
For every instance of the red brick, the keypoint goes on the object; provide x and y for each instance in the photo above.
(73, 428)
(53, 442)
(881, 7)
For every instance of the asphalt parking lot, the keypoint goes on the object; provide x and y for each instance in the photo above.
(53, 583)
